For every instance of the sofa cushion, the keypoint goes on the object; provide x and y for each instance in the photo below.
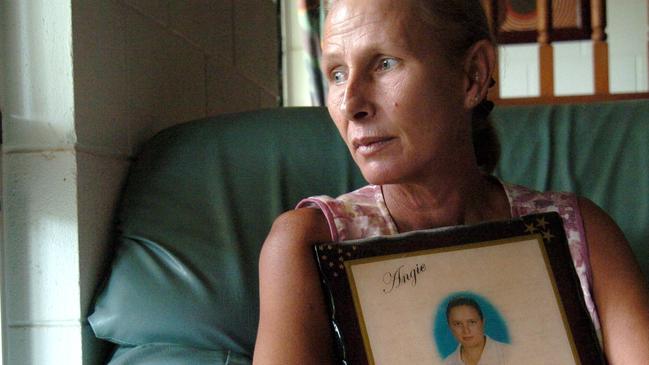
(198, 203)
(170, 354)
(598, 150)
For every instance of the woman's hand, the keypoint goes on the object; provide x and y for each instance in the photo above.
(293, 324)
(619, 287)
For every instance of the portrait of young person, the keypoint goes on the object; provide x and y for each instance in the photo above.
(407, 87)
(466, 321)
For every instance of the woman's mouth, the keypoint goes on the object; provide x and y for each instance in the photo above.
(370, 145)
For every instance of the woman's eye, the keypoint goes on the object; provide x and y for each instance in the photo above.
(387, 64)
(338, 77)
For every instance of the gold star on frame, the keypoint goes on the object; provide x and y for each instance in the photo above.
(529, 228)
(541, 222)
(547, 235)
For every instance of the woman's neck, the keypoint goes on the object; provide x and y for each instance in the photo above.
(454, 200)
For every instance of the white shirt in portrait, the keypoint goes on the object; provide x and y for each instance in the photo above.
(494, 353)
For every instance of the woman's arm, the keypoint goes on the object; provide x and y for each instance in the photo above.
(619, 288)
(293, 324)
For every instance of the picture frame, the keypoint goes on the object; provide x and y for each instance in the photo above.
(389, 298)
(517, 21)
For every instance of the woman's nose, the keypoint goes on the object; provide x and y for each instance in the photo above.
(356, 104)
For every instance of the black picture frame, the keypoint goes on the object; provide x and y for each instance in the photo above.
(531, 249)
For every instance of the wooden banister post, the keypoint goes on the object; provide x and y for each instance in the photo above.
(600, 47)
(546, 53)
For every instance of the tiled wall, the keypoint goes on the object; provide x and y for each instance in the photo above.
(40, 270)
(142, 65)
(87, 81)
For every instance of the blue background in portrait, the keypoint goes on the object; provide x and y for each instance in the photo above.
(495, 326)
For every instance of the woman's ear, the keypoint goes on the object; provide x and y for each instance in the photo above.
(478, 67)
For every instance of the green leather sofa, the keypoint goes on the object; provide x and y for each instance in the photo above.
(201, 197)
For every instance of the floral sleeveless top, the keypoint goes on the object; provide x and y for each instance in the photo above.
(362, 214)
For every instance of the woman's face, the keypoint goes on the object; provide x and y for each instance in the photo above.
(397, 101)
(466, 325)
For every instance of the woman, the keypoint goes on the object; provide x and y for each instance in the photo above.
(407, 84)
(466, 321)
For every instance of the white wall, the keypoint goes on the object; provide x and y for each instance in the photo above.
(40, 273)
(519, 66)
(85, 83)
(628, 30)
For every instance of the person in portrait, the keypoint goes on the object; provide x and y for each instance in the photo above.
(466, 321)
(407, 90)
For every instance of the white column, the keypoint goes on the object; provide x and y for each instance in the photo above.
(43, 319)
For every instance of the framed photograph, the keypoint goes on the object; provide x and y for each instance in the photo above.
(425, 297)
(516, 21)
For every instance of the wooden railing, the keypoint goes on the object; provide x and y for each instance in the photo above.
(546, 58)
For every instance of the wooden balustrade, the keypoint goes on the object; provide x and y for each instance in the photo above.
(597, 23)
(600, 47)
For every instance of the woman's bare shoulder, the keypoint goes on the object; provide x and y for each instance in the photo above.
(608, 247)
(307, 225)
(292, 306)
(619, 287)
(598, 222)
